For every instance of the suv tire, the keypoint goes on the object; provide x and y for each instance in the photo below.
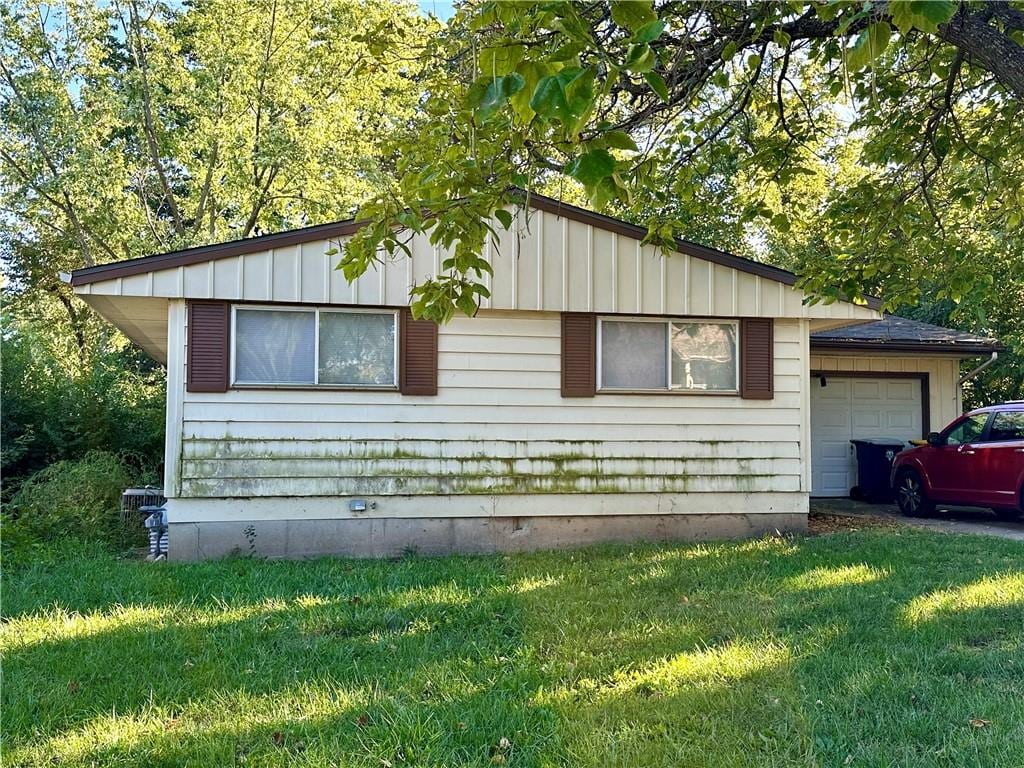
(911, 497)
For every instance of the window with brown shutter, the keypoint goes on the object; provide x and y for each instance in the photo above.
(418, 353)
(207, 346)
(579, 354)
(757, 358)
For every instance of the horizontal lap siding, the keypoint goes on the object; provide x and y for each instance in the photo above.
(498, 425)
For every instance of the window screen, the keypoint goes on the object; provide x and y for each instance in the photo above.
(634, 355)
(275, 347)
(704, 356)
(357, 348)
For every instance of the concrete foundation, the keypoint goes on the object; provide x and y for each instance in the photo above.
(389, 537)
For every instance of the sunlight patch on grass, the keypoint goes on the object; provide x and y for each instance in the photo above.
(522, 586)
(59, 625)
(1000, 591)
(839, 576)
(710, 668)
(218, 716)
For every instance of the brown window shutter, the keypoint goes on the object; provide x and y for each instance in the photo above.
(417, 365)
(208, 326)
(757, 358)
(579, 354)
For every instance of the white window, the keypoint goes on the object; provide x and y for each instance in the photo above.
(285, 346)
(646, 354)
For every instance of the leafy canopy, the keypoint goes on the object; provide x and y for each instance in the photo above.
(653, 109)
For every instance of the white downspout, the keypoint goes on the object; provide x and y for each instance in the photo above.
(968, 376)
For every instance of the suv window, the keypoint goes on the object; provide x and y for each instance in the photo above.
(968, 430)
(1007, 425)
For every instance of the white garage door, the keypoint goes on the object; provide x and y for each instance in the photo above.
(847, 408)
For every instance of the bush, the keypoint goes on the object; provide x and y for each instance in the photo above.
(72, 499)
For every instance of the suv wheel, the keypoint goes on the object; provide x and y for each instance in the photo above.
(910, 495)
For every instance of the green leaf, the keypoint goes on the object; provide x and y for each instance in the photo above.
(620, 140)
(532, 72)
(658, 85)
(500, 60)
(549, 99)
(633, 14)
(640, 58)
(565, 96)
(592, 167)
(497, 93)
(869, 46)
(504, 217)
(925, 15)
(649, 32)
(781, 38)
(781, 222)
(729, 51)
(753, 61)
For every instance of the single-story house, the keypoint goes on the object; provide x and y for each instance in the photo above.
(603, 391)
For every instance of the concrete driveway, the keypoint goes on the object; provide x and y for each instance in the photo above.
(951, 520)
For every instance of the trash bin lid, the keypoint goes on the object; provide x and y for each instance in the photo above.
(887, 441)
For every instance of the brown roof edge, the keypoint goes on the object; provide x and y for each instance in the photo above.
(202, 253)
(941, 347)
(212, 252)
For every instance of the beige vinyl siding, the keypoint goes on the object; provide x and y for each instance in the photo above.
(545, 263)
(945, 398)
(498, 426)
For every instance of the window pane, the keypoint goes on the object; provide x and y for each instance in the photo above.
(704, 356)
(357, 348)
(1007, 425)
(968, 430)
(633, 355)
(274, 347)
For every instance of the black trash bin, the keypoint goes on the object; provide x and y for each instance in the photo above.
(874, 462)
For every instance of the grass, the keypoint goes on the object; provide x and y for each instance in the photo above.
(867, 648)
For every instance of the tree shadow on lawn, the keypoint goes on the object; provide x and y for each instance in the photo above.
(773, 652)
(408, 661)
(784, 652)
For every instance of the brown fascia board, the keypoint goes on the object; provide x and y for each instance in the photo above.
(939, 347)
(203, 253)
(212, 252)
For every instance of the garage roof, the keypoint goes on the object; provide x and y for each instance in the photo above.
(900, 334)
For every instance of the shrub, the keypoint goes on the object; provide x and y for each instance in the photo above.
(72, 499)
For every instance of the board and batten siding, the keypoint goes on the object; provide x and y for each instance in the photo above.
(945, 398)
(497, 427)
(546, 262)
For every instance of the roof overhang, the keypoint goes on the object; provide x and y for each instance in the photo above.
(927, 348)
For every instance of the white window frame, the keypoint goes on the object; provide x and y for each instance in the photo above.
(315, 310)
(667, 322)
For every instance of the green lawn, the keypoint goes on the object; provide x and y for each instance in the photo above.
(870, 648)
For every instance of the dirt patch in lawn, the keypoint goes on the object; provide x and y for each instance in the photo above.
(820, 524)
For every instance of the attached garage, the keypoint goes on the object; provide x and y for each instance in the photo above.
(894, 378)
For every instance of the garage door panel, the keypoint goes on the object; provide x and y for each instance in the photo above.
(856, 407)
(907, 391)
(866, 418)
(867, 390)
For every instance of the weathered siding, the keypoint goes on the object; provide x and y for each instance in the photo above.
(944, 396)
(546, 262)
(498, 426)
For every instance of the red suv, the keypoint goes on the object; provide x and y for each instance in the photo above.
(976, 461)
